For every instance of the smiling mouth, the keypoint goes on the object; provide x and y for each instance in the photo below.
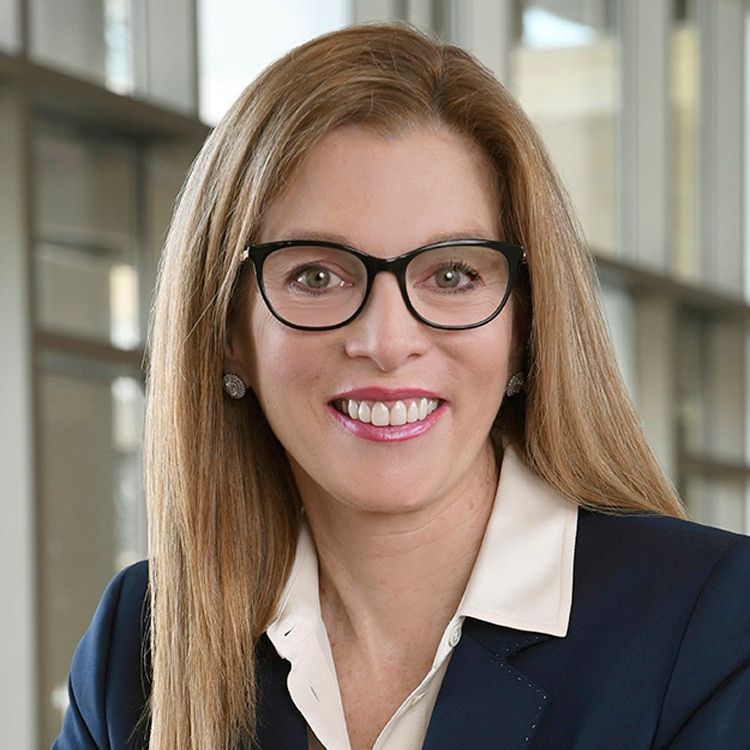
(380, 414)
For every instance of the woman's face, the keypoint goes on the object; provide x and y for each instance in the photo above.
(385, 197)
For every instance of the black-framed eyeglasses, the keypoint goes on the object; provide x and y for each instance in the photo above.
(314, 285)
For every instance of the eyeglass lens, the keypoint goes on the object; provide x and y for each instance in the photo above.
(314, 286)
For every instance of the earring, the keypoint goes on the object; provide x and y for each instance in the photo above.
(515, 384)
(233, 386)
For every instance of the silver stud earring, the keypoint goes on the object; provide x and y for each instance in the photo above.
(515, 384)
(233, 386)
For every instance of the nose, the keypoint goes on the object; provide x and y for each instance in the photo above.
(386, 332)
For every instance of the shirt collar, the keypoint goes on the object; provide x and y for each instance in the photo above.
(523, 575)
(299, 606)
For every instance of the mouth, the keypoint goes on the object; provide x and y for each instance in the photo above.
(387, 413)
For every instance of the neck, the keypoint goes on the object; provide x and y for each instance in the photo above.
(382, 575)
(389, 584)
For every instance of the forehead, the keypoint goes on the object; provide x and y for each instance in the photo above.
(368, 190)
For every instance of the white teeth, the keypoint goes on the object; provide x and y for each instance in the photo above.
(379, 414)
(398, 413)
(363, 413)
(412, 413)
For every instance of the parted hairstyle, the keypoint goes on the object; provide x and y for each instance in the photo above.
(223, 506)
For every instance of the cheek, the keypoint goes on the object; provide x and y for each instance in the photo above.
(495, 358)
(284, 362)
(497, 349)
(265, 343)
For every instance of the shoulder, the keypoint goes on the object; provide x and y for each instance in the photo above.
(109, 675)
(659, 562)
(124, 596)
(120, 621)
(648, 540)
(658, 648)
(118, 625)
(682, 604)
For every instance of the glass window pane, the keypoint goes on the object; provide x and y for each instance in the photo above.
(566, 72)
(165, 72)
(70, 35)
(93, 39)
(717, 500)
(238, 38)
(120, 44)
(91, 509)
(619, 307)
(685, 97)
(712, 428)
(9, 25)
(86, 236)
(120, 41)
(711, 387)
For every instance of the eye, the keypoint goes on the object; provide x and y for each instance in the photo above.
(455, 275)
(316, 277)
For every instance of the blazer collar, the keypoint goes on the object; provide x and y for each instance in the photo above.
(484, 702)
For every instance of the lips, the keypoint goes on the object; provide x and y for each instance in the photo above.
(387, 413)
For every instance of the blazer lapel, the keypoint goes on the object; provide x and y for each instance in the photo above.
(280, 724)
(484, 703)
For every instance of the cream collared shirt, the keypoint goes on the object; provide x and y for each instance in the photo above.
(522, 579)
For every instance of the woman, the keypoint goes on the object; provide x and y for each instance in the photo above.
(422, 513)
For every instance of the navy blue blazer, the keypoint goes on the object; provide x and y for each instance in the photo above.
(657, 657)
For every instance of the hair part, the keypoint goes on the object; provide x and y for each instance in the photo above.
(223, 508)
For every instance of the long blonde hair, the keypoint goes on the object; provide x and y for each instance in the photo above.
(223, 508)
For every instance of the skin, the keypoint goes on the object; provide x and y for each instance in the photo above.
(397, 519)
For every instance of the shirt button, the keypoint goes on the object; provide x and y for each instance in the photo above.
(455, 636)
(415, 699)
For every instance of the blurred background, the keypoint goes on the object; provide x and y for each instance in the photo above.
(644, 105)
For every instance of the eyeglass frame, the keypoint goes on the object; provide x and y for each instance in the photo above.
(514, 254)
